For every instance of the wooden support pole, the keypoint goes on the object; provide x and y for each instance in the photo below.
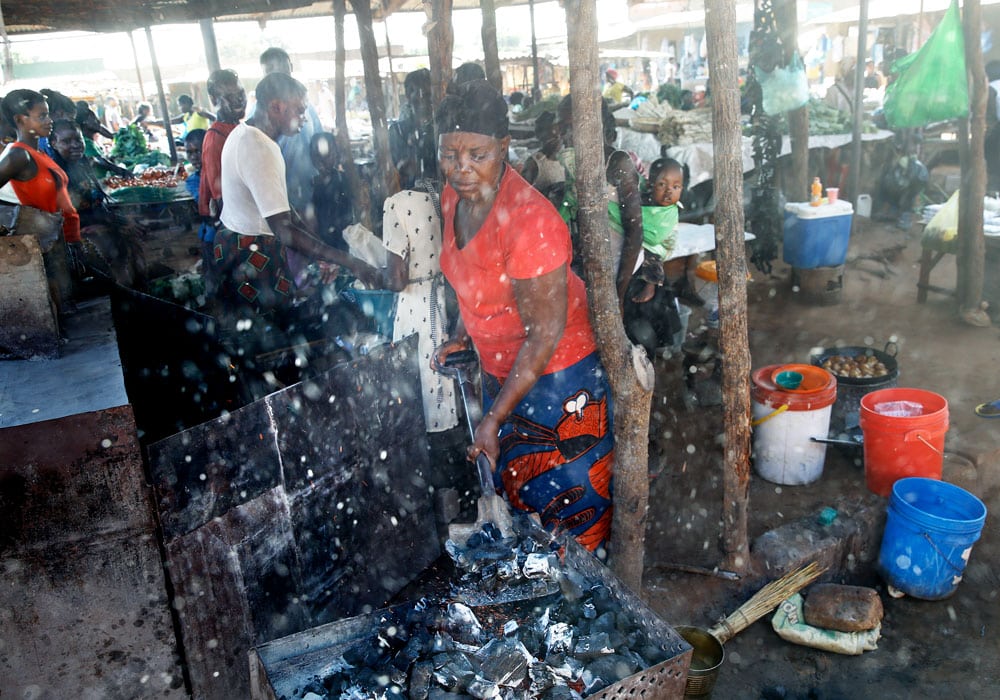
(440, 42)
(386, 180)
(491, 54)
(632, 399)
(211, 46)
(854, 176)
(359, 192)
(536, 92)
(720, 26)
(138, 72)
(971, 241)
(164, 107)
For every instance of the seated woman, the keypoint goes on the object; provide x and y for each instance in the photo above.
(39, 182)
(111, 247)
(507, 253)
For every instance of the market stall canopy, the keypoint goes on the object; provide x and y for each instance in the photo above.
(20, 16)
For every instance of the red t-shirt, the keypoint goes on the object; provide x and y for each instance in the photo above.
(211, 164)
(523, 237)
(47, 191)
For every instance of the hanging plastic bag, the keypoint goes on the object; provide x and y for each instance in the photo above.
(932, 85)
(784, 89)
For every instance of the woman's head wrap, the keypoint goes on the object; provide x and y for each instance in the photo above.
(475, 106)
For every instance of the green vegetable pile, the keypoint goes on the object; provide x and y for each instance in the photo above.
(824, 120)
(549, 104)
(671, 93)
(130, 149)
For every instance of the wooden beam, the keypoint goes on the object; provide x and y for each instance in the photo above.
(386, 180)
(360, 195)
(720, 27)
(971, 241)
(211, 46)
(440, 42)
(491, 55)
(164, 107)
(632, 398)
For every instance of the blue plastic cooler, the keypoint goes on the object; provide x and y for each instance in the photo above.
(817, 236)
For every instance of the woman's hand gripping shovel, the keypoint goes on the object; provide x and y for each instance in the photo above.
(491, 506)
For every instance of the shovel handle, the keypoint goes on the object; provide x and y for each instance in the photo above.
(460, 357)
(485, 471)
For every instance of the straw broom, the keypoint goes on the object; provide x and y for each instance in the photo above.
(765, 600)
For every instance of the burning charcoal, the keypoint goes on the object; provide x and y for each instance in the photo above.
(561, 692)
(442, 641)
(462, 624)
(438, 694)
(593, 645)
(538, 565)
(604, 623)
(364, 655)
(558, 638)
(508, 569)
(603, 599)
(489, 578)
(482, 689)
(602, 672)
(542, 677)
(420, 680)
(589, 610)
(453, 670)
(510, 628)
(504, 661)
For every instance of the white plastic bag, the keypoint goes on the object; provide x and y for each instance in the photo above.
(784, 89)
(365, 245)
(789, 623)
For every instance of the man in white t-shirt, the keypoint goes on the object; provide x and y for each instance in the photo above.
(258, 224)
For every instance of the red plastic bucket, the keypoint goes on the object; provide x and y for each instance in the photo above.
(898, 446)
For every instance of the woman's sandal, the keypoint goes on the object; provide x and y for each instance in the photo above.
(989, 410)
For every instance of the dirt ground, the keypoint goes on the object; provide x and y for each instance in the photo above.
(948, 648)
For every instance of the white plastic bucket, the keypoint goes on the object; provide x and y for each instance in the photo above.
(784, 421)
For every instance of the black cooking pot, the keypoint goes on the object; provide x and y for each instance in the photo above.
(887, 359)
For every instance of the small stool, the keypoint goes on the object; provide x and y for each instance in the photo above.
(934, 250)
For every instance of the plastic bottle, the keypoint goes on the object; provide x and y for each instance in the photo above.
(816, 192)
(708, 276)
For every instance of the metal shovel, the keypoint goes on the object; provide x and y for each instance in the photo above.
(491, 506)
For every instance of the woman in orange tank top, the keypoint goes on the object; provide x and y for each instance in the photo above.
(34, 176)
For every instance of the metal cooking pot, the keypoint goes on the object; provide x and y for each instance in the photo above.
(845, 416)
(887, 359)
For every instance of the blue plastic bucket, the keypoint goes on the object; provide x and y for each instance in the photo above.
(929, 533)
(377, 304)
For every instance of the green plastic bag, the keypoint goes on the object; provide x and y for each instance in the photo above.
(784, 88)
(932, 85)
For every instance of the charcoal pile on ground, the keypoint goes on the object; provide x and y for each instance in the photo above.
(518, 625)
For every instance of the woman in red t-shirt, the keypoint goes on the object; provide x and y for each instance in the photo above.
(507, 253)
(37, 180)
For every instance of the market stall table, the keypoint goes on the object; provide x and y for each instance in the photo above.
(699, 156)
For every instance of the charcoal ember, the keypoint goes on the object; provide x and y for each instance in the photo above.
(453, 670)
(635, 659)
(604, 599)
(561, 692)
(558, 638)
(438, 694)
(508, 568)
(606, 670)
(417, 647)
(542, 677)
(461, 623)
(365, 655)
(589, 610)
(606, 623)
(504, 661)
(482, 689)
(421, 677)
(510, 628)
(516, 694)
(591, 646)
(441, 642)
(489, 578)
(539, 565)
